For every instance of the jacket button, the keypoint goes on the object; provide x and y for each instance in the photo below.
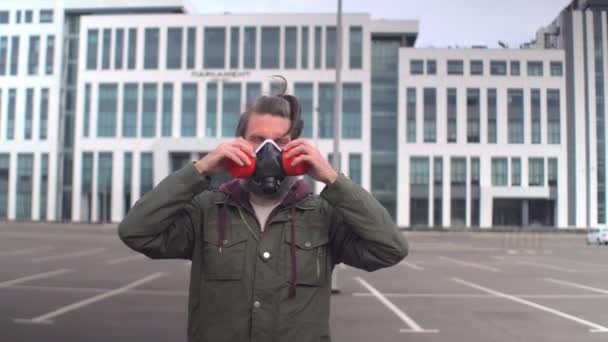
(224, 242)
(307, 244)
(266, 255)
(256, 304)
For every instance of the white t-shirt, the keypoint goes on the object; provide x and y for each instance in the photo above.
(263, 207)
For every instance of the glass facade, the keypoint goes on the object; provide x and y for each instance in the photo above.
(270, 48)
(29, 113)
(132, 49)
(106, 113)
(174, 48)
(10, 114)
(92, 42)
(33, 59)
(515, 115)
(189, 109)
(416, 67)
(119, 48)
(536, 172)
(304, 50)
(473, 115)
(290, 52)
(492, 113)
(452, 115)
(515, 171)
(351, 111)
(354, 167)
(146, 180)
(355, 47)
(44, 114)
(4, 178)
(535, 115)
(498, 68)
(477, 67)
(253, 90)
(105, 49)
(553, 117)
(419, 170)
(129, 109)
(304, 93)
(104, 186)
(500, 172)
(149, 110)
(330, 47)
(455, 67)
(211, 124)
(3, 54)
(535, 68)
(411, 115)
(552, 172)
(318, 46)
(600, 114)
(14, 55)
(249, 54)
(191, 48)
(430, 115)
(44, 185)
(326, 110)
(231, 103)
(127, 180)
(25, 169)
(167, 110)
(151, 48)
(234, 47)
(214, 51)
(50, 54)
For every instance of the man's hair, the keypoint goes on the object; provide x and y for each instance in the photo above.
(281, 105)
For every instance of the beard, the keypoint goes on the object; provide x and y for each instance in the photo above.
(250, 186)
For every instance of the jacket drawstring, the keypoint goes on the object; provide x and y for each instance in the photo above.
(294, 263)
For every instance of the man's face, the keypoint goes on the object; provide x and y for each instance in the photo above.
(267, 126)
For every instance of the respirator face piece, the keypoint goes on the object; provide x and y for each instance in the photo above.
(269, 172)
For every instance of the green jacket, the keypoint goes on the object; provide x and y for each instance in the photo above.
(243, 283)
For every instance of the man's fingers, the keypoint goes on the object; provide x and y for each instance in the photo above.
(245, 146)
(301, 158)
(295, 143)
(299, 149)
(242, 155)
(233, 157)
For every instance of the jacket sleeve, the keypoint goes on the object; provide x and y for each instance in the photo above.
(163, 222)
(363, 233)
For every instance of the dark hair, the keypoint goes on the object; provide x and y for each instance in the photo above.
(282, 105)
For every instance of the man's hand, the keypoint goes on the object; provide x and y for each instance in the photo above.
(235, 151)
(319, 167)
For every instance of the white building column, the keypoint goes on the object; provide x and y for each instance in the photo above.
(117, 186)
(12, 186)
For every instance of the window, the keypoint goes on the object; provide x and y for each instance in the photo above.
(132, 49)
(215, 48)
(29, 16)
(105, 49)
(515, 69)
(304, 50)
(151, 36)
(18, 17)
(92, 37)
(455, 67)
(29, 113)
(106, 109)
(499, 172)
(553, 116)
(119, 48)
(234, 47)
(535, 115)
(536, 172)
(351, 109)
(46, 16)
(44, 113)
(492, 128)
(318, 46)
(4, 17)
(211, 124)
(535, 68)
(304, 93)
(253, 91)
(127, 180)
(419, 171)
(475, 171)
(498, 68)
(552, 172)
(430, 114)
(476, 67)
(189, 111)
(416, 67)
(330, 47)
(14, 55)
(129, 109)
(10, 123)
(291, 47)
(174, 47)
(431, 67)
(104, 186)
(44, 184)
(326, 110)
(25, 166)
(557, 69)
(515, 114)
(3, 53)
(411, 115)
(515, 172)
(354, 167)
(473, 115)
(191, 48)
(249, 49)
(452, 102)
(270, 48)
(87, 110)
(33, 55)
(4, 177)
(167, 110)
(458, 171)
(438, 171)
(356, 47)
(148, 110)
(147, 173)
(231, 103)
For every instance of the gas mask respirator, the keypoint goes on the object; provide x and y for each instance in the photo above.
(269, 169)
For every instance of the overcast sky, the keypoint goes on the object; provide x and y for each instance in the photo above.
(442, 22)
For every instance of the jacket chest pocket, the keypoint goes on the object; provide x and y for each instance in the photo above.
(311, 247)
(224, 260)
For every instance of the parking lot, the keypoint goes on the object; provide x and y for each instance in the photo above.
(79, 283)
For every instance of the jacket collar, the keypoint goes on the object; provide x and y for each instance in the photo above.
(298, 191)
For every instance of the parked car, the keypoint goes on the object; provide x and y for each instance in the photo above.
(597, 235)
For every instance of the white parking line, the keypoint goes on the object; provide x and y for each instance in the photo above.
(480, 296)
(26, 251)
(470, 264)
(34, 277)
(579, 286)
(47, 318)
(125, 259)
(547, 266)
(595, 327)
(412, 266)
(413, 326)
(68, 256)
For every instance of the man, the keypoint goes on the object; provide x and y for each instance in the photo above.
(262, 248)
